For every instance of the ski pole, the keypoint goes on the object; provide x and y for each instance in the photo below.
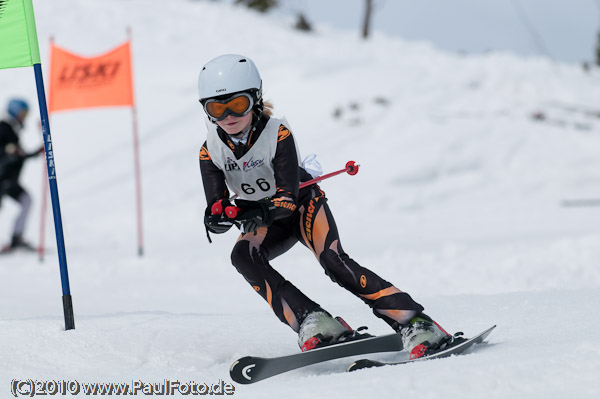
(232, 211)
(351, 168)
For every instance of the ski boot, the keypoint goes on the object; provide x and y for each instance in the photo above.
(17, 242)
(320, 329)
(422, 335)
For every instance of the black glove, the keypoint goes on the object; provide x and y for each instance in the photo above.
(217, 224)
(255, 214)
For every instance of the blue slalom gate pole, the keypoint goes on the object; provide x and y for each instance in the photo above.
(50, 164)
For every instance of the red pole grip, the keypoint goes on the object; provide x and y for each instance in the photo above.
(217, 208)
(232, 211)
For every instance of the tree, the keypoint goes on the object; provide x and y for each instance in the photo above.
(259, 5)
(302, 23)
(367, 19)
(598, 50)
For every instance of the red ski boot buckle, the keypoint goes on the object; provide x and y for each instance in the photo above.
(417, 352)
(310, 344)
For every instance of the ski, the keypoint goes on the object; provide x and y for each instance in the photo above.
(456, 349)
(251, 369)
(8, 250)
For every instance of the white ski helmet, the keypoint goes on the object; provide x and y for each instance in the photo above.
(228, 74)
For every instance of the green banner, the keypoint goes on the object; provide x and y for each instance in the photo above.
(18, 36)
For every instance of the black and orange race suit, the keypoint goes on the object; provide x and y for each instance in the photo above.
(301, 216)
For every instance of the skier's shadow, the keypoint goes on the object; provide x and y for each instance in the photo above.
(339, 366)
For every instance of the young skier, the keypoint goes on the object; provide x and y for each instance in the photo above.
(253, 155)
(12, 157)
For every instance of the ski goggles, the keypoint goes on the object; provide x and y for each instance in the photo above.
(236, 105)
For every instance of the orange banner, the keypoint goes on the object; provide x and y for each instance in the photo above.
(87, 82)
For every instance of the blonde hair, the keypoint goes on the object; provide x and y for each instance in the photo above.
(268, 108)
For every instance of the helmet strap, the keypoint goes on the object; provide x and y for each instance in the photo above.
(255, 121)
(259, 107)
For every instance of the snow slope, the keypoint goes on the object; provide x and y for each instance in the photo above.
(463, 199)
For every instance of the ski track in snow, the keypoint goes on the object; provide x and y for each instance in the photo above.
(461, 192)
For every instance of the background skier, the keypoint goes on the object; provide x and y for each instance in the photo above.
(12, 158)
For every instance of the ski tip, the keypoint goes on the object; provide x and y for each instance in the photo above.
(485, 333)
(491, 328)
(241, 371)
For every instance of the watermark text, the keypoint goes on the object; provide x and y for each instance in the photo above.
(31, 388)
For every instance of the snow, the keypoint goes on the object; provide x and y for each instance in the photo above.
(460, 200)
